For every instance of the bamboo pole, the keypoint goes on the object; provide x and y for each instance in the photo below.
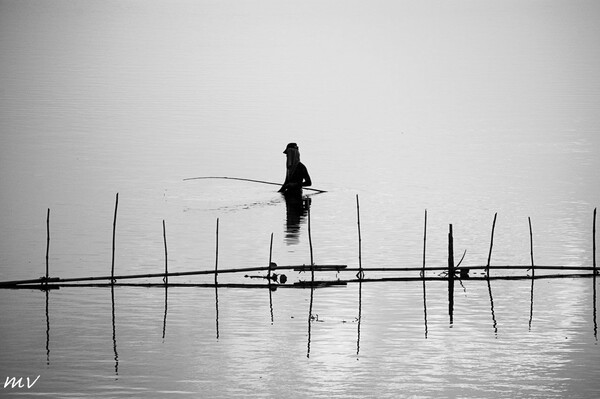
(424, 242)
(312, 286)
(532, 272)
(112, 269)
(451, 275)
(312, 263)
(270, 258)
(594, 242)
(249, 180)
(360, 274)
(166, 277)
(423, 275)
(298, 268)
(47, 245)
(476, 267)
(217, 251)
(531, 246)
(491, 246)
(269, 278)
(301, 283)
(216, 285)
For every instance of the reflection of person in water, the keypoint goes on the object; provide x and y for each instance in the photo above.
(297, 174)
(296, 177)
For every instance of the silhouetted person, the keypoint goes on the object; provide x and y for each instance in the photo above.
(296, 207)
(296, 176)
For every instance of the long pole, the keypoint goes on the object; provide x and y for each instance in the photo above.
(424, 242)
(532, 272)
(270, 259)
(217, 251)
(312, 286)
(423, 273)
(166, 278)
(269, 278)
(312, 262)
(491, 246)
(594, 242)
(360, 274)
(112, 269)
(47, 244)
(451, 275)
(249, 180)
(531, 246)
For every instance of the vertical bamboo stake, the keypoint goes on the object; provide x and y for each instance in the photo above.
(487, 269)
(312, 263)
(112, 269)
(451, 275)
(216, 282)
(531, 247)
(269, 278)
(47, 244)
(423, 274)
(532, 272)
(594, 242)
(360, 274)
(270, 259)
(312, 286)
(424, 243)
(217, 252)
(166, 278)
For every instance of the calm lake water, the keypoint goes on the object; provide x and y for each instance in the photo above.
(463, 109)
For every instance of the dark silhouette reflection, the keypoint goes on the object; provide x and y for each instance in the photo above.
(114, 330)
(47, 329)
(217, 308)
(531, 307)
(451, 276)
(272, 288)
(296, 209)
(165, 318)
(594, 306)
(310, 316)
(425, 306)
(492, 306)
(360, 277)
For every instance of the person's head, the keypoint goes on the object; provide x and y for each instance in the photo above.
(293, 155)
(290, 146)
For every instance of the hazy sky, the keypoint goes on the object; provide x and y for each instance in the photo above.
(147, 86)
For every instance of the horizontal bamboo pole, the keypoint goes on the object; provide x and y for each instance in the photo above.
(293, 268)
(299, 284)
(190, 273)
(478, 267)
(474, 278)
